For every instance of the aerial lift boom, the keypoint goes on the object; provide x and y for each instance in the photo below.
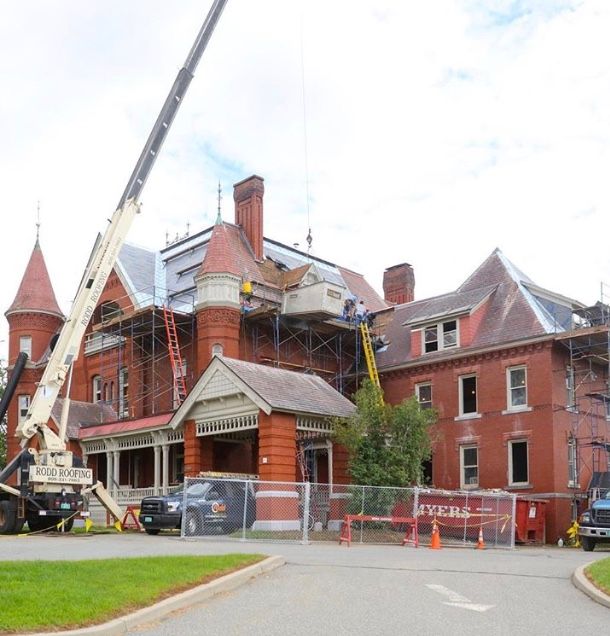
(51, 466)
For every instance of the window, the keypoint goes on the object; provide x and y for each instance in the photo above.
(516, 387)
(468, 394)
(23, 405)
(441, 336)
(25, 345)
(96, 385)
(124, 393)
(573, 463)
(217, 350)
(518, 470)
(424, 395)
(469, 467)
(570, 389)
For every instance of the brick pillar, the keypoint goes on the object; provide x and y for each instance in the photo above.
(339, 497)
(277, 505)
(192, 449)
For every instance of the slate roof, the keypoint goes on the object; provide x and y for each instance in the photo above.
(514, 309)
(125, 426)
(35, 292)
(83, 414)
(171, 272)
(291, 391)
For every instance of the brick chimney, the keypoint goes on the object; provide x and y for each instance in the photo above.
(399, 284)
(248, 197)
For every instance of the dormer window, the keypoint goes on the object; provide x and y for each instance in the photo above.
(441, 336)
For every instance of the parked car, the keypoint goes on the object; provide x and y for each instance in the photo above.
(220, 506)
(594, 524)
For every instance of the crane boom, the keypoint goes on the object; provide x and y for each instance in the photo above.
(105, 253)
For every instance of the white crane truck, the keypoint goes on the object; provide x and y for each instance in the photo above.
(51, 479)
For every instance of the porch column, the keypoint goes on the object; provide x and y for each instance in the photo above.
(109, 472)
(165, 451)
(116, 465)
(157, 473)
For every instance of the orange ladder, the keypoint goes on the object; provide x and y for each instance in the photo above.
(174, 355)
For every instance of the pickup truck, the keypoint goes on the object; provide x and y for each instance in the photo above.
(211, 506)
(594, 524)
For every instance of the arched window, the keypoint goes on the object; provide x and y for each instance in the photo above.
(124, 392)
(96, 388)
(217, 349)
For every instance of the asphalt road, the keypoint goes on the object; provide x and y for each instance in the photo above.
(331, 589)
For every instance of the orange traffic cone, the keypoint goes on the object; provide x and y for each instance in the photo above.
(435, 539)
(480, 543)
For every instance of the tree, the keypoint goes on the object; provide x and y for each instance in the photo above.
(3, 422)
(386, 444)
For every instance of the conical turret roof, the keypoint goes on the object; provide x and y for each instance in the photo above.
(35, 292)
(221, 255)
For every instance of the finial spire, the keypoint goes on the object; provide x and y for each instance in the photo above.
(219, 215)
(37, 221)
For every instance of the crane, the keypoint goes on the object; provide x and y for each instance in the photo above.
(49, 473)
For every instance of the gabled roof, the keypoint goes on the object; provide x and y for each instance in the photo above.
(35, 292)
(514, 309)
(270, 389)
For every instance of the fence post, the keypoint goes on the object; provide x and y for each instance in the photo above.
(243, 525)
(415, 502)
(512, 522)
(466, 519)
(306, 512)
(183, 517)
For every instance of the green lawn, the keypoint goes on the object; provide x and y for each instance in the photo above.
(48, 595)
(599, 574)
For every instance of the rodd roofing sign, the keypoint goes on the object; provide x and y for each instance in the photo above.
(61, 475)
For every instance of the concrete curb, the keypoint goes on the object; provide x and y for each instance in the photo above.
(584, 585)
(179, 601)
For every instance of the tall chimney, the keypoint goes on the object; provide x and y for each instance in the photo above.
(399, 284)
(248, 197)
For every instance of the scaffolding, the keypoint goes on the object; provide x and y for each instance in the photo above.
(331, 348)
(136, 340)
(588, 396)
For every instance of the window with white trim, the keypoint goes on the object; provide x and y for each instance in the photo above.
(468, 394)
(469, 466)
(441, 336)
(570, 389)
(516, 388)
(96, 388)
(573, 463)
(23, 402)
(217, 349)
(518, 463)
(423, 392)
(25, 345)
(124, 392)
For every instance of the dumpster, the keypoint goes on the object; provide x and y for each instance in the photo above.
(530, 525)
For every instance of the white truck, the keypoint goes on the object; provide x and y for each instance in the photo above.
(51, 480)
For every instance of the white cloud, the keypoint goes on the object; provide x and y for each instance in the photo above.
(435, 131)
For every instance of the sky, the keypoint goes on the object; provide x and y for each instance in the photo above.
(397, 130)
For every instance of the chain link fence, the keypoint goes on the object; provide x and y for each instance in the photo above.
(237, 509)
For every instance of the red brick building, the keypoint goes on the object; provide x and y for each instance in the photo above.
(518, 373)
(519, 376)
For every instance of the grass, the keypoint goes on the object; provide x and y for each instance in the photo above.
(599, 574)
(50, 595)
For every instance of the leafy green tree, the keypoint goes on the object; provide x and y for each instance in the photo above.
(3, 422)
(387, 444)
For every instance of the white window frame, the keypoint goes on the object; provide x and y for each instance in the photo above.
(510, 388)
(97, 389)
(25, 345)
(474, 413)
(440, 336)
(427, 404)
(124, 392)
(463, 466)
(23, 405)
(511, 443)
(573, 463)
(571, 389)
